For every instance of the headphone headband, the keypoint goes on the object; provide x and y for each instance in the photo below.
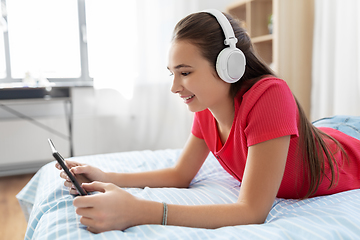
(230, 62)
(230, 38)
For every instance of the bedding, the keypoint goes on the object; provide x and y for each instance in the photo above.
(48, 208)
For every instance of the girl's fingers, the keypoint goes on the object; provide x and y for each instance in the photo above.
(86, 221)
(84, 201)
(64, 176)
(57, 165)
(79, 169)
(93, 230)
(73, 191)
(97, 186)
(89, 200)
(68, 184)
(89, 213)
(71, 187)
(68, 163)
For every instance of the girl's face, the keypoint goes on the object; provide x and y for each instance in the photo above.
(195, 80)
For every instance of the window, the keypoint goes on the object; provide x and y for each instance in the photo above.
(44, 39)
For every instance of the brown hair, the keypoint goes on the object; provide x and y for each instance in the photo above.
(202, 30)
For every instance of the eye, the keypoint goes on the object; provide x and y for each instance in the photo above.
(171, 74)
(185, 73)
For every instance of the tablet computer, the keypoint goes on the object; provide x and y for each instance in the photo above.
(60, 160)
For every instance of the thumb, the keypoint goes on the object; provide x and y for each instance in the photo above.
(80, 169)
(96, 186)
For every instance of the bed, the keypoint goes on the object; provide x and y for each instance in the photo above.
(48, 208)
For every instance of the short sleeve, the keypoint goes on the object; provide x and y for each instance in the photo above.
(272, 112)
(196, 130)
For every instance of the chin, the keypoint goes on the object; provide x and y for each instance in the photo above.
(195, 109)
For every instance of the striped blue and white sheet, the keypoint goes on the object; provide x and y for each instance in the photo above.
(48, 207)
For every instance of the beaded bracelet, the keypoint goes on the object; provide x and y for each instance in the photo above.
(164, 219)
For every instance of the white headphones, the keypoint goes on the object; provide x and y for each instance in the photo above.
(230, 63)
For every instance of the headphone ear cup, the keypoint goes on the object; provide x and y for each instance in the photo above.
(230, 64)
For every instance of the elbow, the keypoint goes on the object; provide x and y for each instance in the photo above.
(183, 183)
(252, 214)
(179, 180)
(259, 220)
(256, 218)
(258, 215)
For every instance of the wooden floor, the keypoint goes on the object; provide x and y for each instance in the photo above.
(12, 220)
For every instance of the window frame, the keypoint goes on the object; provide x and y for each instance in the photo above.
(83, 80)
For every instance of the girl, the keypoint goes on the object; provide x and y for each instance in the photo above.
(254, 126)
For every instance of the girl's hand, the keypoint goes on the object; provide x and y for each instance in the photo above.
(82, 172)
(112, 209)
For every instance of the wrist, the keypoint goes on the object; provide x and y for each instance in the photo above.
(149, 212)
(110, 177)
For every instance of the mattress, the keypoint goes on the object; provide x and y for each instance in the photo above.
(48, 208)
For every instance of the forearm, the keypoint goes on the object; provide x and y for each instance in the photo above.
(167, 177)
(204, 216)
(180, 175)
(213, 216)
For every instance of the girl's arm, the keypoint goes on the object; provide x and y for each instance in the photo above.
(190, 161)
(117, 209)
(261, 181)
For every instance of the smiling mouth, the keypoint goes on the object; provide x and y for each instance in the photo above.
(188, 98)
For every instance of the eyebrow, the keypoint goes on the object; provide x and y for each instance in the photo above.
(180, 66)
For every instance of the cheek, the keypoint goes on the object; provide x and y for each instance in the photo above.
(219, 87)
(208, 85)
(211, 94)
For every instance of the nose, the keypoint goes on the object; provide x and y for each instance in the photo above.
(176, 86)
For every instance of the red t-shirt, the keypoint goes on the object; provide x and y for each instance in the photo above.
(266, 111)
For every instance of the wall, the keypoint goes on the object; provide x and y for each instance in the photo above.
(103, 122)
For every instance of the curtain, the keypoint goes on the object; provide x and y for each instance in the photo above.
(336, 58)
(128, 41)
(132, 106)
